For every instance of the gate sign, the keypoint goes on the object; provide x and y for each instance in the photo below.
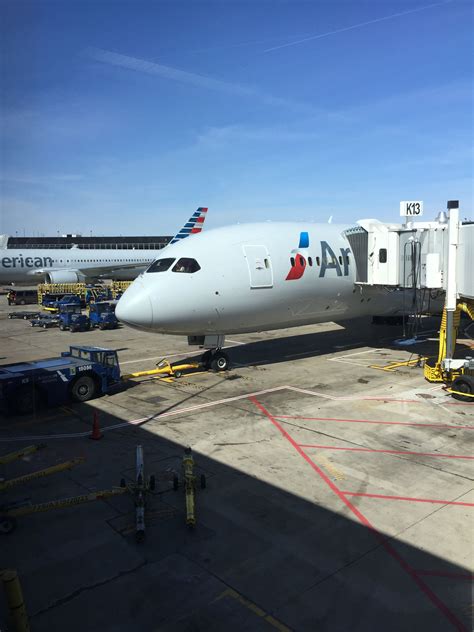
(411, 209)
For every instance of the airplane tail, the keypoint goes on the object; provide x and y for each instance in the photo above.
(193, 225)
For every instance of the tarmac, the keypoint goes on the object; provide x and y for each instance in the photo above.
(339, 496)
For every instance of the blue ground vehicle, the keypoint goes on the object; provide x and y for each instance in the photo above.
(79, 322)
(79, 374)
(71, 317)
(53, 303)
(102, 315)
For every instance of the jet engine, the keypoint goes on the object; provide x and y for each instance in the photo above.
(64, 276)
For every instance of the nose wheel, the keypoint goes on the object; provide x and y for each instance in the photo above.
(215, 360)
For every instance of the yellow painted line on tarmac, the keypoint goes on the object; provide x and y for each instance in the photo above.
(233, 594)
(332, 469)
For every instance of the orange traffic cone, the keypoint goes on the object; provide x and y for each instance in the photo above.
(96, 433)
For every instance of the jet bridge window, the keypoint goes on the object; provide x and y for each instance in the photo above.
(187, 265)
(383, 255)
(161, 265)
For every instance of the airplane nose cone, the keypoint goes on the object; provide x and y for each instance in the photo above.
(134, 307)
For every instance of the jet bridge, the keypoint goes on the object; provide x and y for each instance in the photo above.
(415, 255)
(428, 256)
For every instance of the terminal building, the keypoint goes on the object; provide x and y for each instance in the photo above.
(89, 243)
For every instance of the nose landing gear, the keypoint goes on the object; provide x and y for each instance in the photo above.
(216, 360)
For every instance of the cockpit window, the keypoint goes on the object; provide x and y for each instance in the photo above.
(187, 265)
(161, 265)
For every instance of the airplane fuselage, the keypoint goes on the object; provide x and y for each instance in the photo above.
(253, 277)
(71, 264)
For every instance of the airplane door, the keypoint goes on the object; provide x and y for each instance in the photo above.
(259, 265)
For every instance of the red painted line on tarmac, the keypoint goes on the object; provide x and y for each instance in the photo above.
(369, 421)
(458, 625)
(333, 447)
(466, 576)
(410, 499)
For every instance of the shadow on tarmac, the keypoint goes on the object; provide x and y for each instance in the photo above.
(259, 558)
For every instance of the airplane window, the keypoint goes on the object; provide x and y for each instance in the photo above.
(161, 265)
(187, 265)
(267, 263)
(340, 260)
(292, 260)
(317, 261)
(310, 261)
(347, 259)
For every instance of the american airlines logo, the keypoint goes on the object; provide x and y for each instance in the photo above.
(327, 261)
(27, 262)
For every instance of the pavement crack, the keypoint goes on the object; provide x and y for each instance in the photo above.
(76, 593)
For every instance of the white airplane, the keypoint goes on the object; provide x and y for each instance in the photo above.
(73, 265)
(247, 278)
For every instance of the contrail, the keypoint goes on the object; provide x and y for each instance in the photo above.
(357, 26)
(167, 72)
(191, 78)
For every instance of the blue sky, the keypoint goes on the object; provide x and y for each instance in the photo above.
(123, 117)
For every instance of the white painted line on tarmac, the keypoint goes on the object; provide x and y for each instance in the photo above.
(349, 355)
(143, 420)
(199, 407)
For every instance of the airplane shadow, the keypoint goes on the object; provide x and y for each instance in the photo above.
(356, 333)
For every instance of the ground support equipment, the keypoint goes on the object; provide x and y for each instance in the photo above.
(165, 369)
(9, 513)
(24, 315)
(15, 602)
(457, 374)
(189, 485)
(118, 288)
(20, 454)
(139, 489)
(53, 469)
(79, 374)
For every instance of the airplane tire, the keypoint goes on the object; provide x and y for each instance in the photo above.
(463, 384)
(83, 389)
(220, 361)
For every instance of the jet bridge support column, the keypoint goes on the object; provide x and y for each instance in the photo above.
(451, 285)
